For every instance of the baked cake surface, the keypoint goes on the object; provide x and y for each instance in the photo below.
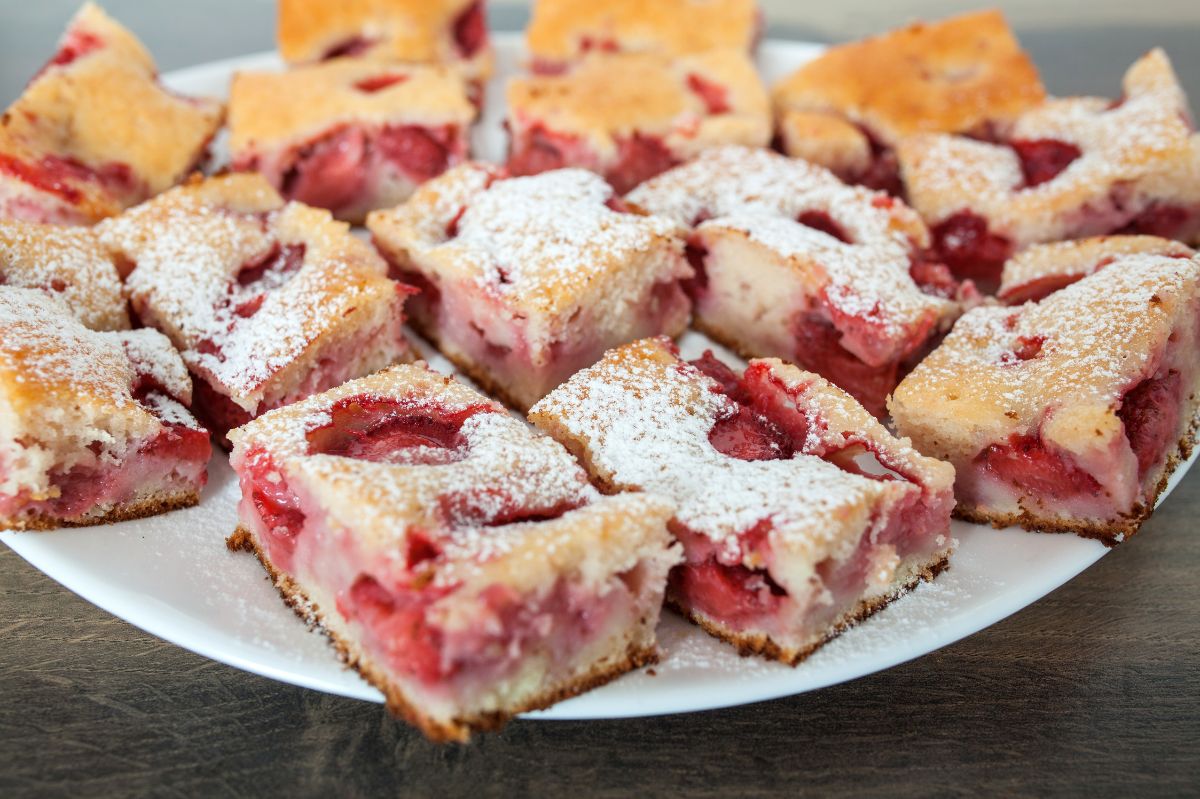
(793, 263)
(94, 426)
(460, 561)
(66, 261)
(787, 541)
(349, 135)
(1067, 414)
(526, 280)
(629, 116)
(71, 151)
(267, 301)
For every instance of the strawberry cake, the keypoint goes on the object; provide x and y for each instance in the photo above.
(524, 281)
(1071, 413)
(71, 152)
(630, 116)
(849, 107)
(790, 262)
(458, 560)
(94, 426)
(798, 513)
(267, 301)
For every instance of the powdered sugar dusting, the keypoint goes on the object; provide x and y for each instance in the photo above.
(646, 423)
(762, 194)
(66, 261)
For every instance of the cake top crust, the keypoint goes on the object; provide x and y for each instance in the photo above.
(1141, 144)
(274, 107)
(541, 243)
(1060, 365)
(240, 281)
(956, 75)
(563, 30)
(69, 262)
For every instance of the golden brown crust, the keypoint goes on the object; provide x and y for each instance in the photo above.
(955, 75)
(459, 729)
(762, 644)
(150, 506)
(562, 30)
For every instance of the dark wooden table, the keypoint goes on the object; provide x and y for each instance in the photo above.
(1095, 690)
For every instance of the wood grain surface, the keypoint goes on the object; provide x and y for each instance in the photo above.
(1095, 690)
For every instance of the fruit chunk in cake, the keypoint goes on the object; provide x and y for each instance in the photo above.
(1067, 414)
(459, 560)
(267, 301)
(790, 532)
(793, 263)
(94, 426)
(562, 31)
(69, 262)
(524, 281)
(849, 107)
(629, 116)
(448, 32)
(94, 132)
(349, 135)
(1045, 268)
(1068, 168)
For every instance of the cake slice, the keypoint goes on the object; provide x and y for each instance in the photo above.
(790, 262)
(524, 281)
(629, 116)
(561, 32)
(95, 132)
(1042, 269)
(849, 107)
(69, 262)
(1068, 168)
(1068, 414)
(451, 33)
(94, 426)
(458, 560)
(799, 514)
(267, 302)
(349, 135)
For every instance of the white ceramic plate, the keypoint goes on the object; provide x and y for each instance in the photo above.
(173, 577)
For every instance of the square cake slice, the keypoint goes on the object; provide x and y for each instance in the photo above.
(799, 514)
(268, 302)
(349, 135)
(69, 262)
(790, 262)
(447, 32)
(849, 107)
(457, 559)
(629, 116)
(1065, 169)
(561, 32)
(94, 132)
(1068, 414)
(1042, 269)
(94, 426)
(524, 281)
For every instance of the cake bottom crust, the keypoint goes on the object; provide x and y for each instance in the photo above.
(748, 644)
(157, 503)
(458, 729)
(1108, 533)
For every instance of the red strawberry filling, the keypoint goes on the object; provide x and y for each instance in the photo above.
(382, 430)
(819, 349)
(377, 83)
(470, 30)
(1042, 160)
(1150, 413)
(62, 176)
(78, 43)
(540, 150)
(964, 243)
(820, 220)
(349, 48)
(1025, 462)
(1165, 221)
(639, 158)
(714, 95)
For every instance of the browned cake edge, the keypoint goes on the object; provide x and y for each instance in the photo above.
(748, 644)
(458, 729)
(160, 502)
